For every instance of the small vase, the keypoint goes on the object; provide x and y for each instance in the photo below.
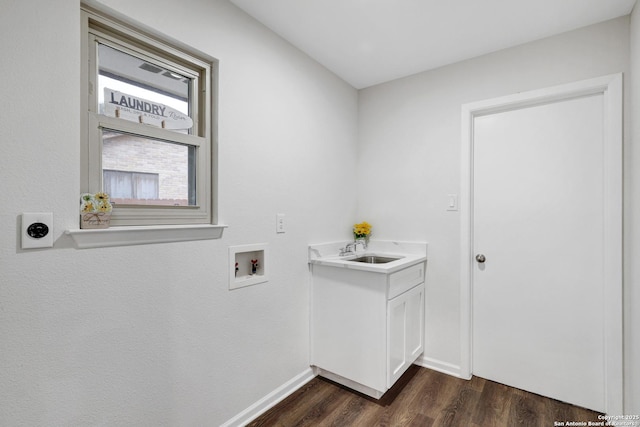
(363, 240)
(95, 220)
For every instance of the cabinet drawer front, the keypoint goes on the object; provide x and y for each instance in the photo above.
(404, 280)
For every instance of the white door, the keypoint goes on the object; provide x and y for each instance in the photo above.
(538, 221)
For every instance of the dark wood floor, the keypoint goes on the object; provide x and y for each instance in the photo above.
(423, 398)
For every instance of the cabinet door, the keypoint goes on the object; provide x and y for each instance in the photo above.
(405, 339)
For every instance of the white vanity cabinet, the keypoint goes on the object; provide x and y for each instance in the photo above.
(367, 327)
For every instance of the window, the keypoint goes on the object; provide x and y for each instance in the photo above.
(147, 106)
(131, 187)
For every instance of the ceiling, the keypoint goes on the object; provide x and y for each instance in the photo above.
(367, 42)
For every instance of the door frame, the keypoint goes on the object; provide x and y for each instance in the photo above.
(610, 87)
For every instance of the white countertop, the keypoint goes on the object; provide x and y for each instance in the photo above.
(409, 253)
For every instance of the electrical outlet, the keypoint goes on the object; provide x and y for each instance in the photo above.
(37, 230)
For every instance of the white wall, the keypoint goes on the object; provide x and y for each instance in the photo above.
(409, 160)
(150, 335)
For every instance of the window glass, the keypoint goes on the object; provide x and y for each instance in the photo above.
(137, 90)
(128, 187)
(144, 171)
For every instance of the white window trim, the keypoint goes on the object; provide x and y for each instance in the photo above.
(169, 224)
(143, 235)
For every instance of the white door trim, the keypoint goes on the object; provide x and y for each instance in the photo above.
(611, 88)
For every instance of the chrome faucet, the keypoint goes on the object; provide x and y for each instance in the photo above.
(352, 247)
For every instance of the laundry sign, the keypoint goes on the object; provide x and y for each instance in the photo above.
(135, 109)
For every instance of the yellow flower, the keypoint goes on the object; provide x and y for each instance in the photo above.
(87, 207)
(101, 196)
(104, 207)
(362, 229)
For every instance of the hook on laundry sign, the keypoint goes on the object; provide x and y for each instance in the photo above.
(135, 109)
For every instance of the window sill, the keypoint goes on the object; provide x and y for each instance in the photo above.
(127, 236)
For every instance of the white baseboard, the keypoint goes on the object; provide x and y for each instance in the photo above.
(270, 400)
(440, 366)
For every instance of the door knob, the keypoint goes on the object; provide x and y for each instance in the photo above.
(480, 258)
